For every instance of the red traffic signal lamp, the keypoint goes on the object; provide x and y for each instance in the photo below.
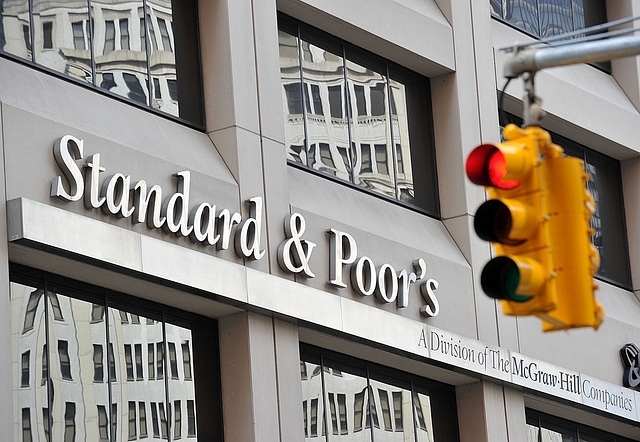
(536, 234)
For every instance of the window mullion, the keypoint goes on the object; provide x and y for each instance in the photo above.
(349, 113)
(305, 123)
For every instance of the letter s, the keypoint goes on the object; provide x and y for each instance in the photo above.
(432, 308)
(66, 150)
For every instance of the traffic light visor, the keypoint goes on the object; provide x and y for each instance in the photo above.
(487, 166)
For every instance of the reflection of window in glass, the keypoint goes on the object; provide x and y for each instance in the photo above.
(154, 420)
(24, 379)
(303, 370)
(77, 29)
(136, 93)
(342, 412)
(335, 101)
(112, 363)
(325, 155)
(417, 406)
(314, 418)
(128, 358)
(114, 419)
(365, 158)
(157, 93)
(26, 425)
(135, 319)
(186, 360)
(163, 420)
(142, 415)
(124, 318)
(382, 159)
(30, 314)
(45, 364)
(317, 101)
(55, 306)
(69, 422)
(358, 406)
(26, 35)
(372, 411)
(191, 418)
(294, 98)
(143, 40)
(151, 362)
(399, 161)
(173, 360)
(172, 85)
(138, 355)
(334, 415)
(47, 35)
(102, 423)
(98, 367)
(304, 418)
(152, 33)
(361, 103)
(46, 423)
(65, 362)
(177, 412)
(397, 410)
(386, 409)
(160, 359)
(97, 310)
(164, 33)
(109, 37)
(132, 421)
(377, 100)
(124, 33)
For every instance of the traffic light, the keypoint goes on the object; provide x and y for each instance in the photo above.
(537, 219)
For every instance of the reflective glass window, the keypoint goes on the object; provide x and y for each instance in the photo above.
(356, 116)
(356, 400)
(114, 45)
(543, 427)
(73, 354)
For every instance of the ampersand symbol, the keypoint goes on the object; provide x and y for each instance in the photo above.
(295, 260)
(630, 356)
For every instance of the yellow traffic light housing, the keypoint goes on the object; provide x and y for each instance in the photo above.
(537, 219)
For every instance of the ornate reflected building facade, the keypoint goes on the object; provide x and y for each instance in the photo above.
(231, 220)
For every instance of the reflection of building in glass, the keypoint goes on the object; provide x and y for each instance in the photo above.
(71, 384)
(116, 45)
(347, 118)
(357, 408)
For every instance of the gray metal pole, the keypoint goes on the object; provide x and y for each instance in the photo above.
(533, 60)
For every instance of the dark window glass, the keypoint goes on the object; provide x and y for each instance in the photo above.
(154, 420)
(337, 101)
(77, 29)
(69, 422)
(46, 423)
(142, 415)
(97, 311)
(65, 362)
(55, 307)
(114, 420)
(186, 360)
(138, 356)
(26, 425)
(98, 366)
(30, 313)
(173, 361)
(177, 421)
(164, 33)
(545, 427)
(133, 434)
(128, 361)
(109, 37)
(124, 33)
(151, 362)
(191, 418)
(24, 379)
(160, 360)
(136, 93)
(103, 423)
(47, 35)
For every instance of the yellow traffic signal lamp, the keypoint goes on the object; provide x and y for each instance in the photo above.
(537, 219)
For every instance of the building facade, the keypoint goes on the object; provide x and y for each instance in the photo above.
(250, 221)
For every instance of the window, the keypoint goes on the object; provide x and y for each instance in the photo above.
(103, 423)
(138, 355)
(30, 314)
(177, 411)
(173, 362)
(98, 367)
(102, 401)
(126, 35)
(160, 360)
(97, 313)
(378, 400)
(546, 18)
(151, 364)
(69, 422)
(544, 427)
(65, 362)
(46, 423)
(55, 306)
(128, 361)
(26, 425)
(142, 415)
(605, 185)
(24, 381)
(340, 102)
(186, 361)
(133, 434)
